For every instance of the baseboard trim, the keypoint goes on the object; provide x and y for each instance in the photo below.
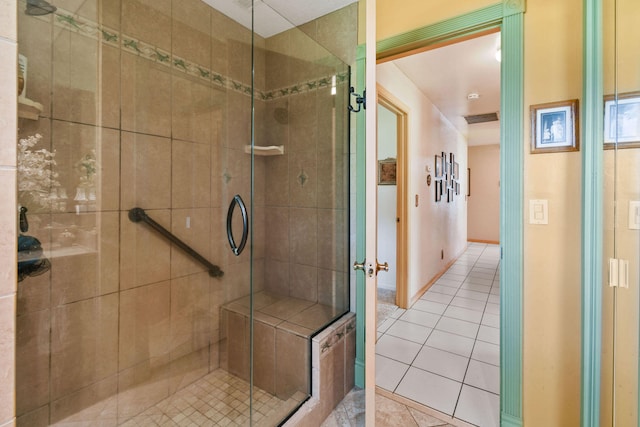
(490, 242)
(426, 287)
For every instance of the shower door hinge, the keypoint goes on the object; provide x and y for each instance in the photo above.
(361, 101)
(618, 273)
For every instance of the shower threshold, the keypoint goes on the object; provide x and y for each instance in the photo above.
(217, 399)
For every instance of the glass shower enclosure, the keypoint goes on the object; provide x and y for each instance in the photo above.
(621, 197)
(183, 206)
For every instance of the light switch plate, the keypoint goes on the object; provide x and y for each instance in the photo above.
(539, 212)
(634, 215)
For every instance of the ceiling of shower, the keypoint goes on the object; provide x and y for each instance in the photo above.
(275, 16)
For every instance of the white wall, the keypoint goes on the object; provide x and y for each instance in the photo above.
(387, 198)
(483, 222)
(432, 226)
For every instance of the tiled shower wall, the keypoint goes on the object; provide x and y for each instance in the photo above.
(8, 226)
(123, 319)
(306, 203)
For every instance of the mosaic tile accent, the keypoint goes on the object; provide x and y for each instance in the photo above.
(302, 178)
(75, 23)
(218, 399)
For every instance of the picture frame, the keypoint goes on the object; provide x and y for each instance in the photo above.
(438, 190)
(457, 188)
(468, 182)
(622, 120)
(438, 164)
(456, 171)
(555, 127)
(387, 171)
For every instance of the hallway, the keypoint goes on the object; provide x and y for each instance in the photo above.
(444, 351)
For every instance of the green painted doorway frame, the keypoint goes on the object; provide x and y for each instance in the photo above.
(506, 16)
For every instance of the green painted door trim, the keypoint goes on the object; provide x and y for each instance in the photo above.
(510, 20)
(592, 214)
(361, 210)
(511, 218)
(464, 25)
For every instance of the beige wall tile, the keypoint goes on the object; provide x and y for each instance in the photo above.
(92, 405)
(145, 319)
(303, 282)
(192, 104)
(110, 86)
(75, 77)
(34, 294)
(8, 232)
(303, 229)
(37, 418)
(191, 31)
(190, 168)
(146, 102)
(336, 33)
(8, 96)
(32, 361)
(238, 345)
(277, 233)
(148, 21)
(143, 386)
(277, 188)
(83, 331)
(333, 288)
(238, 119)
(332, 247)
(36, 44)
(190, 316)
(7, 357)
(111, 13)
(292, 370)
(146, 172)
(277, 277)
(264, 355)
(303, 122)
(197, 237)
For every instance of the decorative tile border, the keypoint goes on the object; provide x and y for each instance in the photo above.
(75, 23)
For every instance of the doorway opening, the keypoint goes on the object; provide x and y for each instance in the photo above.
(442, 350)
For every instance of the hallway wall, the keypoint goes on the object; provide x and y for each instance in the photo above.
(483, 217)
(435, 228)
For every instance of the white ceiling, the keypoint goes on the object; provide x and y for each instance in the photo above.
(448, 74)
(275, 16)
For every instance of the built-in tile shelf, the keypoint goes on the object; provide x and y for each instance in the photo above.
(28, 109)
(270, 150)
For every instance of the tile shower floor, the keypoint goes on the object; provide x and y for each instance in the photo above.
(217, 399)
(444, 351)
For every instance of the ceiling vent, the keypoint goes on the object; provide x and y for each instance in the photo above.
(481, 118)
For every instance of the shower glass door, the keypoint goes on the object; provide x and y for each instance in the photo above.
(621, 162)
(183, 184)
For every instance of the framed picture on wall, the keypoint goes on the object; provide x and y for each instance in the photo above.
(438, 167)
(387, 172)
(554, 127)
(622, 120)
(456, 171)
(438, 189)
(468, 182)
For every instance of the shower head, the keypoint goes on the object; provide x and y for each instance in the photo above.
(39, 7)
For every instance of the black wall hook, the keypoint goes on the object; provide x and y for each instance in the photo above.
(361, 101)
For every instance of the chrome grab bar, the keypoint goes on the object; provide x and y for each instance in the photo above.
(237, 200)
(139, 215)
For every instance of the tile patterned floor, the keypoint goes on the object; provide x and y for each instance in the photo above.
(444, 352)
(218, 399)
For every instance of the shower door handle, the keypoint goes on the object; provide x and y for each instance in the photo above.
(237, 200)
